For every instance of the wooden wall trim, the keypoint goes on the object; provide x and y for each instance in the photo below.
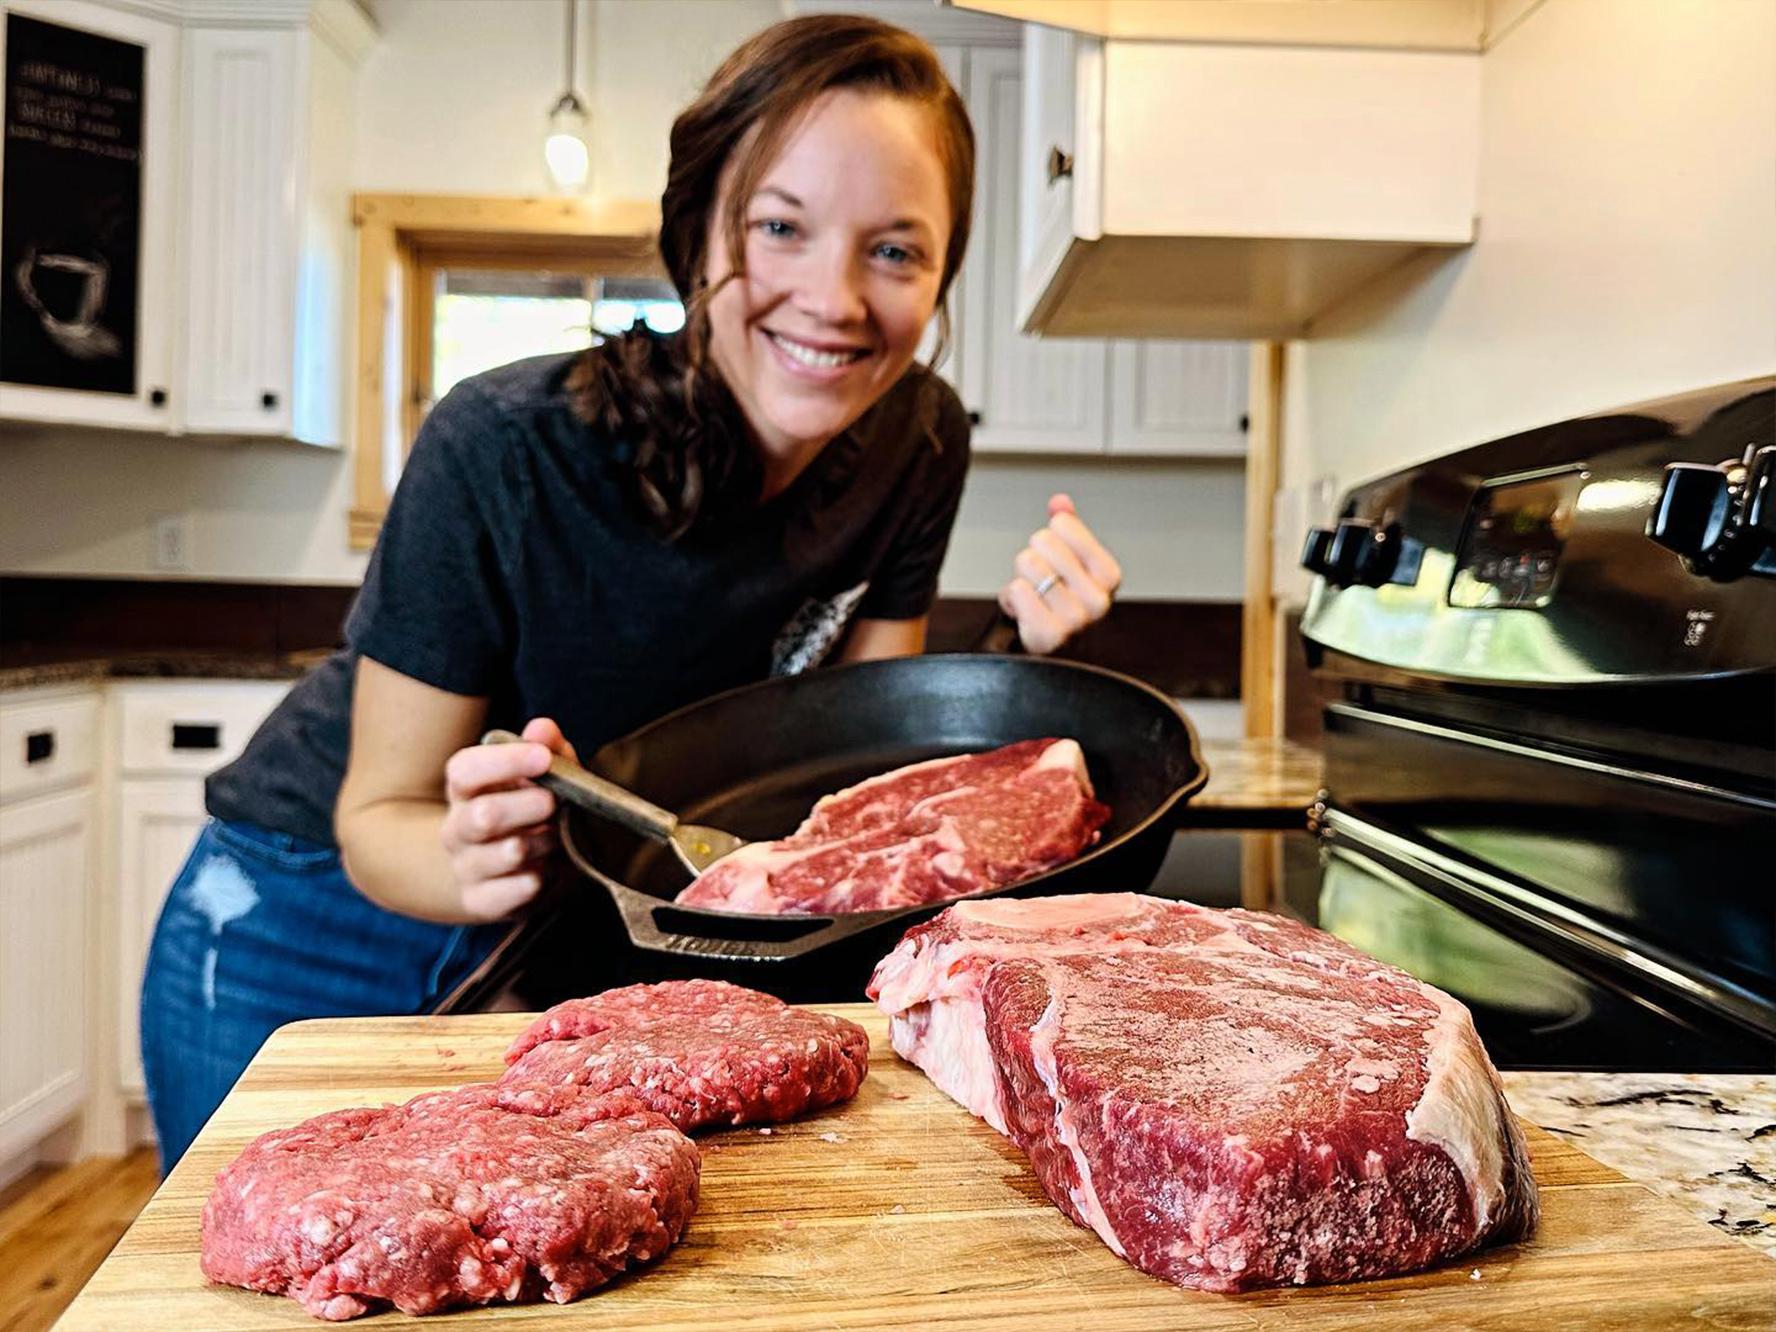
(1259, 655)
(398, 235)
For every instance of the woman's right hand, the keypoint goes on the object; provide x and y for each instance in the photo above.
(499, 829)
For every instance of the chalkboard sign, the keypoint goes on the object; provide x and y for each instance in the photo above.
(70, 208)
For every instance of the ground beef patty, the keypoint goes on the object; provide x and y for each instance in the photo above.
(699, 1052)
(482, 1194)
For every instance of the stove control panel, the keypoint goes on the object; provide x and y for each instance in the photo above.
(1720, 518)
(1628, 546)
(1517, 530)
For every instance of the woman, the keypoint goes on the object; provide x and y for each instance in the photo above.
(580, 544)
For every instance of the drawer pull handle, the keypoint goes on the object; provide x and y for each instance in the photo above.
(39, 746)
(188, 735)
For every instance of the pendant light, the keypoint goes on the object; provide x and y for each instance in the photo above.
(566, 153)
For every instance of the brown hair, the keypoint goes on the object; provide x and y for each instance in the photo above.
(660, 400)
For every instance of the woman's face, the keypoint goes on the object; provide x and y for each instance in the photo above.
(845, 241)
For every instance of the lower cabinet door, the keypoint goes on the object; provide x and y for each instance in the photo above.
(158, 818)
(46, 874)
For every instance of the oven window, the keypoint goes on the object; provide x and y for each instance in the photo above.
(1531, 1008)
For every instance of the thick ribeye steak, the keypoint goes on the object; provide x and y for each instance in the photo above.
(1230, 1099)
(473, 1196)
(699, 1052)
(924, 833)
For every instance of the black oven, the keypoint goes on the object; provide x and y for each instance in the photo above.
(1551, 737)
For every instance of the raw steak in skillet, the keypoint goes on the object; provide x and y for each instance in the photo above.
(473, 1196)
(1230, 1099)
(923, 833)
(699, 1052)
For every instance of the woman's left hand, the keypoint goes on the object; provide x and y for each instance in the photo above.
(1065, 580)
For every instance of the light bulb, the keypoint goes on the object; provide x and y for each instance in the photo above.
(565, 153)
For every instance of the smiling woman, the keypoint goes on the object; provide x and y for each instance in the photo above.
(845, 240)
(586, 540)
(815, 214)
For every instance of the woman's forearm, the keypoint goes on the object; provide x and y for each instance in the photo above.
(394, 854)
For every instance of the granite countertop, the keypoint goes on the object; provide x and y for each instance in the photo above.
(1274, 776)
(169, 665)
(1707, 1141)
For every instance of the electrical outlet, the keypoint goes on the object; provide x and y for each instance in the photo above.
(171, 549)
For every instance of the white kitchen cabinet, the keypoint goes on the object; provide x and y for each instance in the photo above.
(157, 821)
(955, 62)
(45, 889)
(269, 226)
(245, 314)
(1047, 148)
(1224, 190)
(153, 404)
(1080, 396)
(1186, 399)
(240, 229)
(48, 753)
(1031, 395)
(169, 736)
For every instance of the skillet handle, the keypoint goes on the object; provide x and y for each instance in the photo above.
(640, 914)
(641, 921)
(569, 781)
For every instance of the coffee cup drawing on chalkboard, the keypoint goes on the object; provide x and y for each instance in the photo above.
(67, 293)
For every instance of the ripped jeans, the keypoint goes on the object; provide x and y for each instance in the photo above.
(259, 929)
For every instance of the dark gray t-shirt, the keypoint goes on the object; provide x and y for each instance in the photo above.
(512, 565)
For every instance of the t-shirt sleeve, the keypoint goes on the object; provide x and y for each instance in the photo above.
(905, 584)
(434, 603)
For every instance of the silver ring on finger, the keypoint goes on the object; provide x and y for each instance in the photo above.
(1046, 583)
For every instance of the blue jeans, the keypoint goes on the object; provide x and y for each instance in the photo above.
(261, 929)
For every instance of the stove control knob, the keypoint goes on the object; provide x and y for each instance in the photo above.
(1317, 552)
(1693, 512)
(1722, 519)
(1347, 554)
(1760, 497)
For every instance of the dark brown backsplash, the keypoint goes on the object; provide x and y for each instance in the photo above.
(61, 619)
(1189, 649)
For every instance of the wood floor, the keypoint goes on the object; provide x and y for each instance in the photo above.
(56, 1226)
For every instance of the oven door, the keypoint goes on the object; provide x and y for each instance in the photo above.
(1547, 987)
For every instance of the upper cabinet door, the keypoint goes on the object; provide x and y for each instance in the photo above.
(241, 229)
(1030, 395)
(1049, 146)
(93, 296)
(955, 64)
(1185, 399)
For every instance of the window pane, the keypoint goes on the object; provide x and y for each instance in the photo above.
(487, 319)
(484, 318)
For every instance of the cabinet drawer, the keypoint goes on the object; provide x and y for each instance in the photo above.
(47, 743)
(191, 728)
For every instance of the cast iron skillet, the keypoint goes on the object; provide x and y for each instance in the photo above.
(753, 760)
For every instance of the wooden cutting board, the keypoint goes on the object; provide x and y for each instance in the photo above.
(902, 1210)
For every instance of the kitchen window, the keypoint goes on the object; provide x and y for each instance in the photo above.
(483, 318)
(451, 286)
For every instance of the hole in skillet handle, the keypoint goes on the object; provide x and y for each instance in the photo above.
(661, 927)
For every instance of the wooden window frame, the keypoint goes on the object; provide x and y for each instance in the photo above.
(403, 240)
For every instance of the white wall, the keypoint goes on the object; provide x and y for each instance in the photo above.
(454, 97)
(1176, 527)
(1627, 246)
(84, 503)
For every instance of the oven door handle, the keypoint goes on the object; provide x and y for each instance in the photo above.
(1465, 882)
